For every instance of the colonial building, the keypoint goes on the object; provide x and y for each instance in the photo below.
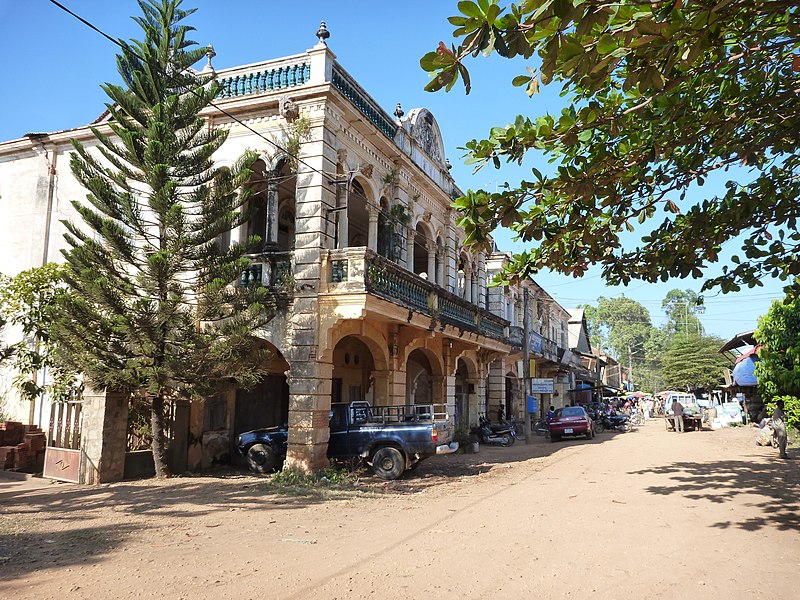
(379, 298)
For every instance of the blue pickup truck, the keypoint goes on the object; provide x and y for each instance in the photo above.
(392, 439)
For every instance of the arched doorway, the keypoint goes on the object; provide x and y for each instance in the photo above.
(357, 216)
(266, 404)
(419, 379)
(463, 388)
(271, 206)
(510, 396)
(286, 191)
(385, 237)
(421, 254)
(353, 371)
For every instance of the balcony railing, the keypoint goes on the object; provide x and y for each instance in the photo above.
(272, 270)
(362, 270)
(265, 77)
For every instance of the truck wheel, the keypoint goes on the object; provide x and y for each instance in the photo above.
(261, 459)
(388, 463)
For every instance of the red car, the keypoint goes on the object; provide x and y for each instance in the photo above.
(571, 420)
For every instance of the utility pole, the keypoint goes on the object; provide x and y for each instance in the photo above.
(526, 362)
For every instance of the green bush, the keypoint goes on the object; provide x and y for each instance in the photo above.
(791, 404)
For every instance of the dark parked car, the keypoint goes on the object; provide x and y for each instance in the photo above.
(393, 439)
(571, 421)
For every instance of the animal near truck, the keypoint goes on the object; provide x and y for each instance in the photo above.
(392, 439)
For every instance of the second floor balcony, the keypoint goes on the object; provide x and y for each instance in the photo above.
(360, 270)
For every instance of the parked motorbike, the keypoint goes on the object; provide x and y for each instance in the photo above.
(611, 422)
(499, 434)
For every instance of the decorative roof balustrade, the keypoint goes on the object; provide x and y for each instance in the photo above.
(351, 90)
(265, 77)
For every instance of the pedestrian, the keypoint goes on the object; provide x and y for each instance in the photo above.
(550, 414)
(677, 413)
(500, 414)
(779, 425)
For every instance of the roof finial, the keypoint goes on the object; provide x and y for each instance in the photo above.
(323, 33)
(398, 112)
(209, 68)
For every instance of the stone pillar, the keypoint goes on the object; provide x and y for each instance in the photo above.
(373, 227)
(410, 249)
(468, 282)
(309, 409)
(104, 437)
(431, 247)
(497, 386)
(380, 385)
(441, 254)
(344, 221)
(271, 235)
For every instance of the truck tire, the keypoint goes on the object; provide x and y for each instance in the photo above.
(388, 463)
(261, 459)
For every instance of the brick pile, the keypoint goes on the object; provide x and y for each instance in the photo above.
(21, 447)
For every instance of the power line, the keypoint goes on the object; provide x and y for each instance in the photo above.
(127, 48)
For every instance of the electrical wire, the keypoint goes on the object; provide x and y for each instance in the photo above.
(127, 48)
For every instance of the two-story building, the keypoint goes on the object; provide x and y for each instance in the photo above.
(378, 297)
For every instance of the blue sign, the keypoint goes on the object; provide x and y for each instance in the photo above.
(533, 406)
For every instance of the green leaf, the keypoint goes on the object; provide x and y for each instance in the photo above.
(470, 9)
(606, 44)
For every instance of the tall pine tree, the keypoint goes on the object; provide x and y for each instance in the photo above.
(151, 306)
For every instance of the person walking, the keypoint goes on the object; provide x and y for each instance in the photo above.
(779, 426)
(677, 412)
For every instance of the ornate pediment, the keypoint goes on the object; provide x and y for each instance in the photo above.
(423, 129)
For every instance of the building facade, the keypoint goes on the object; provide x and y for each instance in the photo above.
(379, 299)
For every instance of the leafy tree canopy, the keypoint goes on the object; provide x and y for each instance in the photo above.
(150, 305)
(29, 301)
(682, 308)
(778, 369)
(692, 362)
(661, 96)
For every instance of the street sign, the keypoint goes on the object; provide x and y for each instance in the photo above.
(543, 385)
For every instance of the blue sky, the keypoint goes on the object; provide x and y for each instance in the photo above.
(53, 66)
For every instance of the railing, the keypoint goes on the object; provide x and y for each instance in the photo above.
(363, 103)
(362, 270)
(270, 269)
(264, 78)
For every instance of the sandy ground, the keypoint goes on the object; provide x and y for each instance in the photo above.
(647, 514)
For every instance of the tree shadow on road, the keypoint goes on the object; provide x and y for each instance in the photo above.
(774, 487)
(23, 551)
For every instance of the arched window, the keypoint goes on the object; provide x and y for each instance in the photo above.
(357, 216)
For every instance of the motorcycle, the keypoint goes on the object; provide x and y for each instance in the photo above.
(612, 422)
(499, 434)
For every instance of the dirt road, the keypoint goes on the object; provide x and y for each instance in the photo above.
(648, 514)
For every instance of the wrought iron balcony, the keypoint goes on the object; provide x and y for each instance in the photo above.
(354, 270)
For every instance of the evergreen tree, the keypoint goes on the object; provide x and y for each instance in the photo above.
(693, 362)
(151, 306)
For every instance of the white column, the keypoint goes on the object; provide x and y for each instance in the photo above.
(373, 227)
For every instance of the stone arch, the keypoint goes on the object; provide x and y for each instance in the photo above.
(353, 372)
(370, 335)
(271, 205)
(267, 403)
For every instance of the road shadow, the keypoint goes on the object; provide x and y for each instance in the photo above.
(23, 552)
(775, 486)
